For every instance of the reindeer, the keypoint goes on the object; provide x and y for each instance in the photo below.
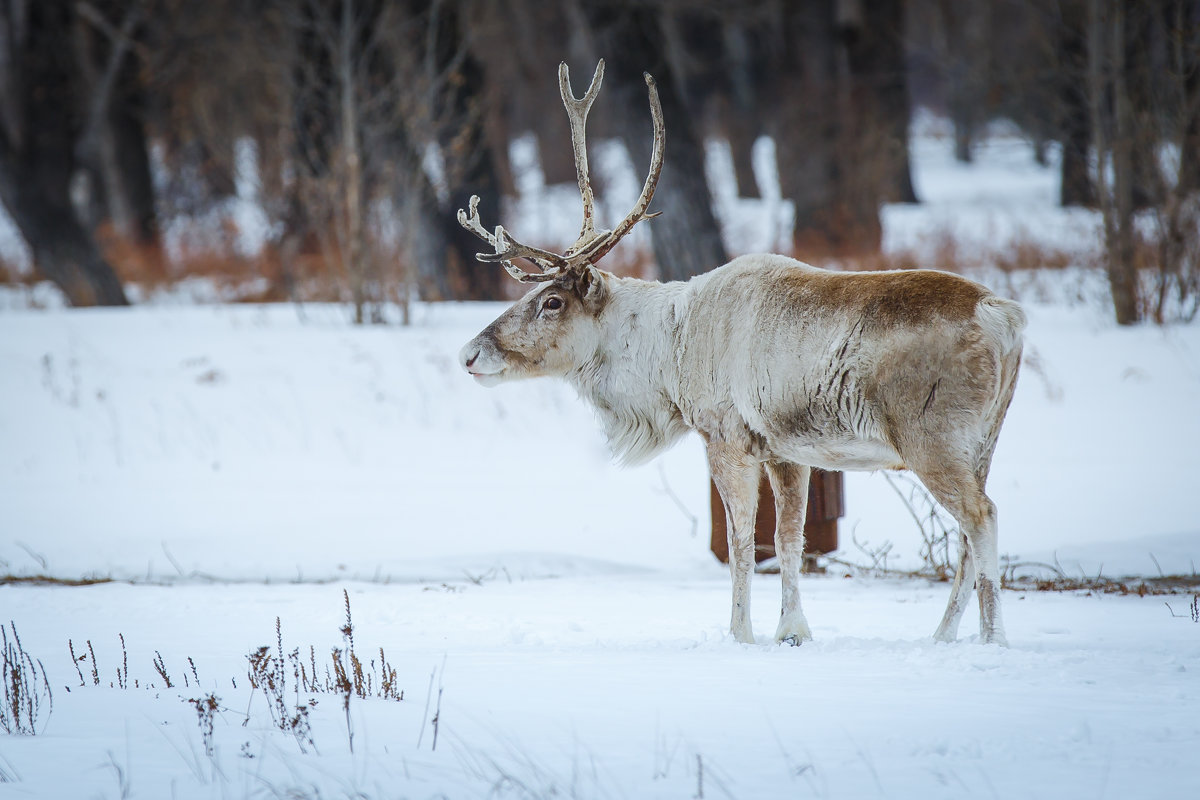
(778, 366)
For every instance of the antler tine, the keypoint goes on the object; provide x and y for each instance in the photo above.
(596, 250)
(507, 248)
(472, 223)
(577, 111)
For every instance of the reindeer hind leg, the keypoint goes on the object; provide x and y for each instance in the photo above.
(957, 487)
(960, 593)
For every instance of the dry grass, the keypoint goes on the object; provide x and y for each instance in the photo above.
(27, 691)
(309, 276)
(1026, 255)
(1049, 578)
(942, 250)
(346, 675)
(47, 580)
(291, 681)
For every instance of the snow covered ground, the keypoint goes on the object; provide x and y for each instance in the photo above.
(619, 686)
(233, 464)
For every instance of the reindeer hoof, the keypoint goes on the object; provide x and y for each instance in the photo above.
(793, 629)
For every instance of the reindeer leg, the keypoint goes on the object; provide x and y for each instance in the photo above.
(959, 491)
(737, 475)
(982, 538)
(790, 484)
(960, 593)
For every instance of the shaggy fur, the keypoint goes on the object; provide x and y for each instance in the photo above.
(782, 366)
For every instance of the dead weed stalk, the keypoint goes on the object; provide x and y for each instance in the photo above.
(26, 687)
(346, 675)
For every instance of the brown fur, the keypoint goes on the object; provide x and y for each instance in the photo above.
(886, 299)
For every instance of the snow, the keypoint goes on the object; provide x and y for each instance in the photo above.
(230, 464)
(620, 686)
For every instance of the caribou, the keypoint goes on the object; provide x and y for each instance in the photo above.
(778, 366)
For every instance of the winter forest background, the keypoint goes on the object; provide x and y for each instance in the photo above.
(315, 150)
(253, 545)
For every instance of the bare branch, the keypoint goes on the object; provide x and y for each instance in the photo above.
(122, 36)
(121, 43)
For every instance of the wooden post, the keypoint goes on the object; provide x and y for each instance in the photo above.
(825, 506)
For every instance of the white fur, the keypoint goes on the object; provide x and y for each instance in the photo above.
(778, 364)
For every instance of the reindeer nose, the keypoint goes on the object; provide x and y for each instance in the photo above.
(470, 361)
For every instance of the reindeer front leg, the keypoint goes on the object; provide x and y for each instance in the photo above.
(790, 484)
(736, 475)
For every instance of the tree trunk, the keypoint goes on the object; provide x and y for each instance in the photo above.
(965, 65)
(805, 124)
(1185, 25)
(468, 278)
(709, 54)
(1076, 187)
(741, 132)
(1140, 27)
(132, 153)
(739, 109)
(425, 228)
(1106, 50)
(469, 166)
(123, 160)
(877, 61)
(863, 165)
(37, 167)
(352, 230)
(554, 150)
(1122, 267)
(687, 238)
(63, 251)
(832, 144)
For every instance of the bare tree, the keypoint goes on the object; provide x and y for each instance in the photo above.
(42, 121)
(1176, 108)
(964, 39)
(1106, 61)
(711, 51)
(841, 141)
(805, 123)
(363, 104)
(871, 32)
(1077, 187)
(458, 83)
(687, 240)
(1142, 78)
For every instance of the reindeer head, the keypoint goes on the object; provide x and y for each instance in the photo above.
(554, 327)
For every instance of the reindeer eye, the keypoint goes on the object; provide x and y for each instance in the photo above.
(553, 303)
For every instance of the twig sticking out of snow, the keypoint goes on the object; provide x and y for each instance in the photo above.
(26, 686)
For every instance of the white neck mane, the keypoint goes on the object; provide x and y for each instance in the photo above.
(628, 380)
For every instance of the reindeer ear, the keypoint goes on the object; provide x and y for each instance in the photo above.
(590, 284)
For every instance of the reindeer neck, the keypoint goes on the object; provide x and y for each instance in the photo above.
(629, 377)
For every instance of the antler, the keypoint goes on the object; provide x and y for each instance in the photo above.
(597, 250)
(507, 248)
(592, 245)
(577, 111)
